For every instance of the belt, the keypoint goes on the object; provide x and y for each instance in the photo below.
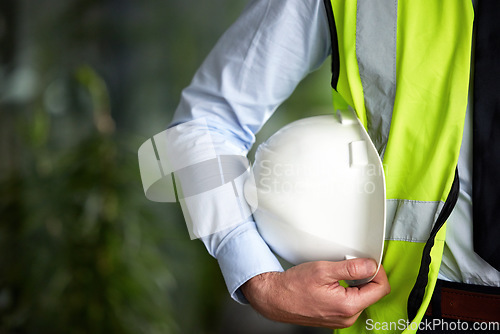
(465, 302)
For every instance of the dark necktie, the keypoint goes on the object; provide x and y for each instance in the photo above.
(486, 135)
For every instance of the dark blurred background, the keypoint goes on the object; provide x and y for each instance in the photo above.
(83, 83)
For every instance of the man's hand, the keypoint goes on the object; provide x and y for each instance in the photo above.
(310, 294)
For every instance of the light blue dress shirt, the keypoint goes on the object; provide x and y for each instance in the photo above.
(252, 69)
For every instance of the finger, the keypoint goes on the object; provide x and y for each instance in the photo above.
(371, 292)
(354, 269)
(381, 276)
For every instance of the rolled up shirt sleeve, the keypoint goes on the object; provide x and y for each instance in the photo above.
(252, 69)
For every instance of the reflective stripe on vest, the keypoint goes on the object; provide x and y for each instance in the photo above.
(404, 67)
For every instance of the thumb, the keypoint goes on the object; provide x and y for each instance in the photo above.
(354, 269)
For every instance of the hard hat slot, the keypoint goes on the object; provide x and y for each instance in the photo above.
(346, 117)
(358, 153)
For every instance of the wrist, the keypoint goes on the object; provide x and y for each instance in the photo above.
(258, 290)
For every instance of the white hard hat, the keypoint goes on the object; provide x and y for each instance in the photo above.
(318, 191)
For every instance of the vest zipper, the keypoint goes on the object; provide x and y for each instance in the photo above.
(417, 293)
(335, 44)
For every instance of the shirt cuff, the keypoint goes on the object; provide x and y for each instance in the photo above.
(242, 257)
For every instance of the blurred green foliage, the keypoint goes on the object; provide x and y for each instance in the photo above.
(81, 250)
(82, 84)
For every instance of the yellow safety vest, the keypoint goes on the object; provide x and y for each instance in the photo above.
(404, 67)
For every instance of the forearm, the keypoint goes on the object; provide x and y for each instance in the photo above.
(253, 68)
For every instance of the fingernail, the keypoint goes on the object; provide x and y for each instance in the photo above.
(371, 267)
